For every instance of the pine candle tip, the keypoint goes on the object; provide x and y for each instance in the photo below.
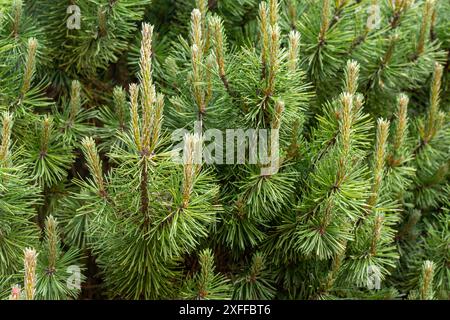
(402, 120)
(263, 9)
(382, 123)
(426, 289)
(94, 163)
(428, 266)
(88, 142)
(196, 27)
(75, 85)
(382, 135)
(294, 35)
(347, 99)
(352, 76)
(30, 261)
(196, 14)
(32, 43)
(29, 65)
(215, 22)
(133, 87)
(146, 44)
(403, 99)
(147, 29)
(279, 107)
(438, 69)
(294, 43)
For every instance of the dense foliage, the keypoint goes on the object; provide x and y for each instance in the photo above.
(95, 93)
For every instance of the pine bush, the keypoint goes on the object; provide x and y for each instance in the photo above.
(116, 177)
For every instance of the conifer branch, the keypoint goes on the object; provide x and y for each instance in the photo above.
(148, 92)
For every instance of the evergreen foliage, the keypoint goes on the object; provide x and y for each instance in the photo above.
(351, 203)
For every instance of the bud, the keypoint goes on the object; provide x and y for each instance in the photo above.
(30, 65)
(30, 262)
(294, 44)
(351, 76)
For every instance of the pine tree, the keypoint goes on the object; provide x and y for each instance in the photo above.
(116, 121)
(120, 221)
